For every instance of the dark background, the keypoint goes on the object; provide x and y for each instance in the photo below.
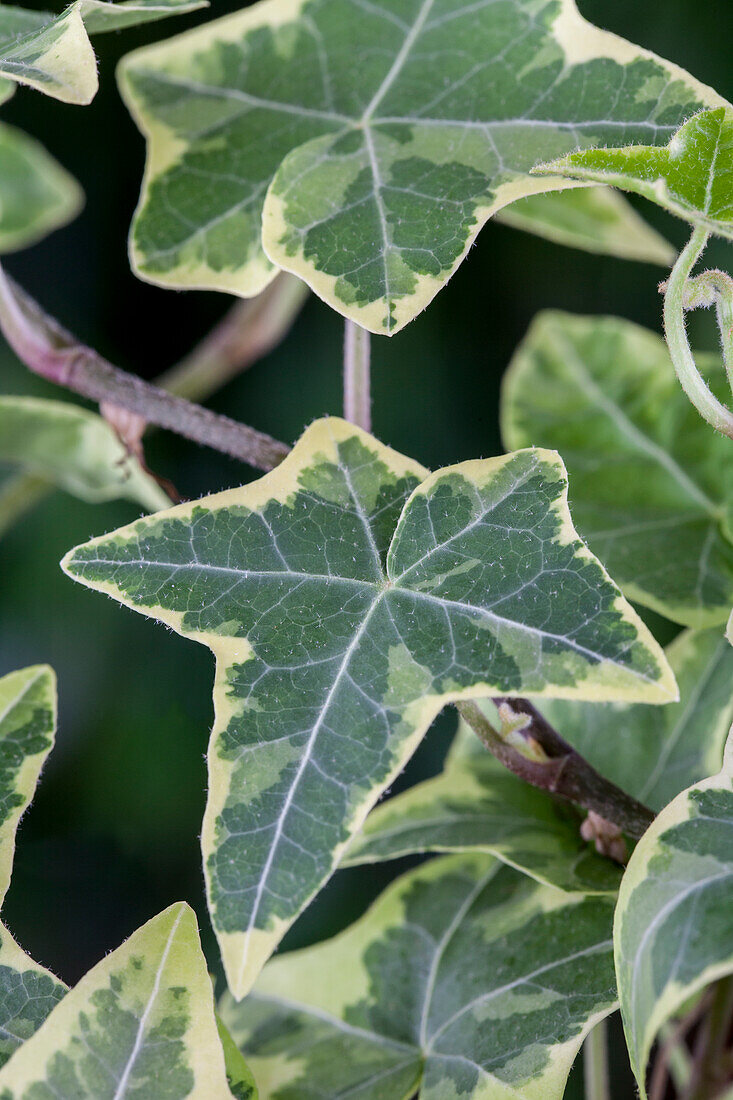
(113, 834)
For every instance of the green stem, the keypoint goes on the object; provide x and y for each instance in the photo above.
(19, 493)
(357, 381)
(724, 313)
(595, 1064)
(694, 385)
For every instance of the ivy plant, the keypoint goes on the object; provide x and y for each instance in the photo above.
(571, 854)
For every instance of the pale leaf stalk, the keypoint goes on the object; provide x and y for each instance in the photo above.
(715, 288)
(554, 765)
(595, 1064)
(692, 382)
(357, 380)
(51, 352)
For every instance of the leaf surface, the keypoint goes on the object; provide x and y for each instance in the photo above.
(652, 485)
(692, 177)
(28, 995)
(368, 170)
(475, 804)
(74, 449)
(36, 194)
(347, 597)
(141, 1023)
(53, 54)
(391, 1007)
(673, 932)
(594, 219)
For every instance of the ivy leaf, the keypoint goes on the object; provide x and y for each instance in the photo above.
(673, 932)
(240, 1080)
(28, 993)
(36, 194)
(390, 1007)
(53, 54)
(140, 1022)
(369, 166)
(347, 596)
(74, 449)
(594, 219)
(690, 177)
(477, 805)
(652, 485)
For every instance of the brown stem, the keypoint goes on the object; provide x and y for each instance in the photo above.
(50, 351)
(555, 766)
(710, 1072)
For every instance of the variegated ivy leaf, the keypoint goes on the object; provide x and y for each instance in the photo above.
(239, 1078)
(347, 596)
(594, 219)
(674, 922)
(53, 53)
(691, 177)
(363, 145)
(36, 194)
(74, 449)
(27, 727)
(465, 979)
(141, 1023)
(475, 804)
(652, 486)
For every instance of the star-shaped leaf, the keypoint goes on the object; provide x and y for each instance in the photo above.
(140, 1023)
(674, 929)
(36, 194)
(28, 993)
(347, 596)
(53, 53)
(465, 979)
(363, 145)
(652, 485)
(692, 176)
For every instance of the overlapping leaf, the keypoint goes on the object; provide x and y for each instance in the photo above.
(652, 486)
(595, 219)
(369, 166)
(141, 1023)
(74, 449)
(346, 597)
(464, 979)
(691, 177)
(674, 923)
(476, 804)
(36, 194)
(28, 993)
(53, 53)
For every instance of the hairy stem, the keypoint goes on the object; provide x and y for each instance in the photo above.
(51, 352)
(250, 330)
(595, 1064)
(357, 381)
(555, 766)
(694, 385)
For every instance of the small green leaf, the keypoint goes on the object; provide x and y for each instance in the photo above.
(464, 979)
(240, 1080)
(477, 805)
(594, 219)
(36, 194)
(74, 449)
(673, 932)
(141, 1023)
(27, 728)
(347, 597)
(363, 146)
(690, 177)
(652, 485)
(28, 994)
(53, 54)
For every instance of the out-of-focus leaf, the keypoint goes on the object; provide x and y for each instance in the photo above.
(36, 194)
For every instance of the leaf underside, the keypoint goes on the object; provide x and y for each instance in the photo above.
(347, 597)
(673, 932)
(140, 1023)
(692, 177)
(369, 166)
(390, 1007)
(74, 449)
(652, 485)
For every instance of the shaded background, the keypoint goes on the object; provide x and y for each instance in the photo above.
(113, 834)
